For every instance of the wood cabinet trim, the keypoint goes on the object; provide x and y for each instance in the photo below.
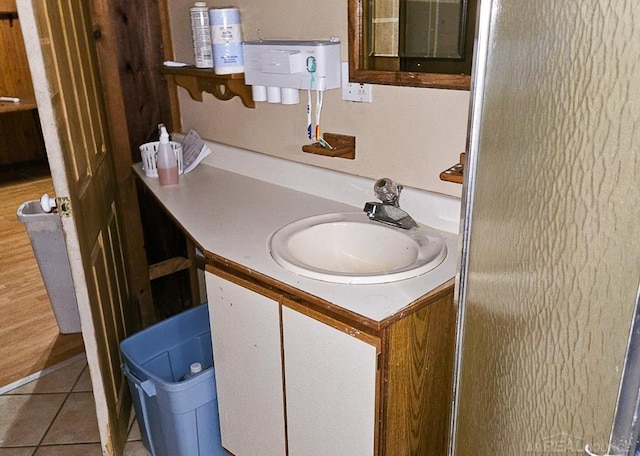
(419, 351)
(242, 275)
(245, 282)
(420, 303)
(336, 324)
(321, 306)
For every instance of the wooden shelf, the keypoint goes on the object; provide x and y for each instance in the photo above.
(223, 87)
(455, 173)
(25, 104)
(343, 146)
(8, 6)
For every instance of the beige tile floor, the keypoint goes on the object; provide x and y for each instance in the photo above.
(55, 416)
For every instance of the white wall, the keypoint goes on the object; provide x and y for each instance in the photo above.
(407, 134)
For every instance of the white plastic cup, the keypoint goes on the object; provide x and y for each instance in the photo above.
(259, 93)
(290, 96)
(274, 95)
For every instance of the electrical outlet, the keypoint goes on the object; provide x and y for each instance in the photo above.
(353, 91)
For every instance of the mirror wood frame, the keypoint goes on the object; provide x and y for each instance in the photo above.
(399, 78)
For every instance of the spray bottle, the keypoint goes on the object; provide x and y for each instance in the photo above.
(167, 162)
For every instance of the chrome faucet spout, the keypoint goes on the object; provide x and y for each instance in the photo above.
(388, 211)
(389, 215)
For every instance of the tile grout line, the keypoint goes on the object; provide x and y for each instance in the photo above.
(86, 367)
(53, 420)
(39, 374)
(68, 394)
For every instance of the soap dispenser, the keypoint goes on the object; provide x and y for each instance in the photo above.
(167, 163)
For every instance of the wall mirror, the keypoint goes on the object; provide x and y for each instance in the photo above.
(419, 43)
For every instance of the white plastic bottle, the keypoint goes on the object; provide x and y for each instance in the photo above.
(226, 38)
(201, 35)
(194, 369)
(166, 162)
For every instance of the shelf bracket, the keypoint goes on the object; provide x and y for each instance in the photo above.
(343, 146)
(455, 173)
(224, 87)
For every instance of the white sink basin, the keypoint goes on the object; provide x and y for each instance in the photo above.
(350, 248)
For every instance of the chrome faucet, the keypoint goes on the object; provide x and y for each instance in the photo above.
(388, 211)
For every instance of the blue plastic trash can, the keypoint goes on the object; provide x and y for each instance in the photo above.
(176, 417)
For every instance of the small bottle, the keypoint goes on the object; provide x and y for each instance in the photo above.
(201, 33)
(166, 161)
(194, 369)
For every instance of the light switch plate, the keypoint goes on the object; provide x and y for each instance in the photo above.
(353, 91)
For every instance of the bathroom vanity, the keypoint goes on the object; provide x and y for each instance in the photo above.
(305, 366)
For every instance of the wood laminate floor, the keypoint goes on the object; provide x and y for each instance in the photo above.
(29, 336)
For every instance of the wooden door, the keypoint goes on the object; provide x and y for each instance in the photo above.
(65, 75)
(245, 327)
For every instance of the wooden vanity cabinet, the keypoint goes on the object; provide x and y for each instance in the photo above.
(292, 380)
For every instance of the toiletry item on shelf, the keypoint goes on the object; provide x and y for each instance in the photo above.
(201, 32)
(194, 369)
(226, 38)
(167, 164)
(149, 156)
(174, 64)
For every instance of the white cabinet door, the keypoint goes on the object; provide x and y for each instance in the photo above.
(330, 380)
(245, 328)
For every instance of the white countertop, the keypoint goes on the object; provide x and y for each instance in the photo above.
(233, 216)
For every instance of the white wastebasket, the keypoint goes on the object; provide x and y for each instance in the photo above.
(47, 241)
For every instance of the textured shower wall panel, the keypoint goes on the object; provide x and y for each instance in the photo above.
(554, 257)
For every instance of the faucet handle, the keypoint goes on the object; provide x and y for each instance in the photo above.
(387, 191)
